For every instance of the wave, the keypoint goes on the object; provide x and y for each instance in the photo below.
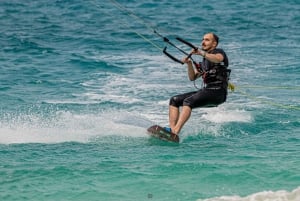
(57, 125)
(223, 115)
(65, 126)
(281, 195)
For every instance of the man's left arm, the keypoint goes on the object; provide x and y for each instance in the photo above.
(215, 58)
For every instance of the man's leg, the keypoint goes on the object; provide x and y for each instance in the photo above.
(173, 116)
(174, 113)
(183, 117)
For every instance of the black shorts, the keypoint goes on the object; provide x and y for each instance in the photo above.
(202, 98)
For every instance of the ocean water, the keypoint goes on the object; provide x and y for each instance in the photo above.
(81, 81)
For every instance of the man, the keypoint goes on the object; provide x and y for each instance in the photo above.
(213, 70)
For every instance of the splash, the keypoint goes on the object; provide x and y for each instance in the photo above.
(65, 126)
(223, 115)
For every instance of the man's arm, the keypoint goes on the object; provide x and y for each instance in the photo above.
(192, 73)
(215, 58)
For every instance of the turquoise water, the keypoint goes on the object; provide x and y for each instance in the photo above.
(81, 81)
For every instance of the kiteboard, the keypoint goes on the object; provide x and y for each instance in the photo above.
(160, 133)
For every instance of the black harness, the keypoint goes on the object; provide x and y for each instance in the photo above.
(214, 75)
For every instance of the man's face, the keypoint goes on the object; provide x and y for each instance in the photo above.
(208, 42)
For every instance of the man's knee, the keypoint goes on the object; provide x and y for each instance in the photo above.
(188, 103)
(174, 101)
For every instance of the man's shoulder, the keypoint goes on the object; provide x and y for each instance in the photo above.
(221, 51)
(218, 50)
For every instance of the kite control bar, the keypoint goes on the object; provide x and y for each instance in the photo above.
(172, 57)
(189, 56)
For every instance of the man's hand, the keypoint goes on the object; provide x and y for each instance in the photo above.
(186, 60)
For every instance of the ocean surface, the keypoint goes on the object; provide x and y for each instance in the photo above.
(81, 81)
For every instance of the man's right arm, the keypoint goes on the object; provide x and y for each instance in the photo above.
(192, 73)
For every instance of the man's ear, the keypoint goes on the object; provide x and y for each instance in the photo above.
(215, 43)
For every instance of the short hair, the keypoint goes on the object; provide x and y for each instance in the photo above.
(216, 38)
